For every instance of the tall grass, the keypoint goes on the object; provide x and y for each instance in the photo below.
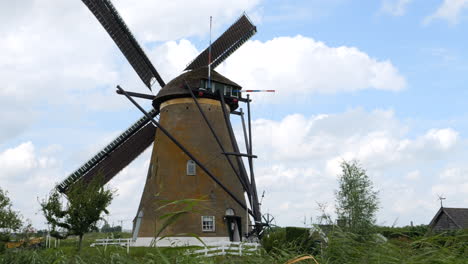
(342, 248)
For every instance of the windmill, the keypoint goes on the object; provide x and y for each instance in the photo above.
(195, 153)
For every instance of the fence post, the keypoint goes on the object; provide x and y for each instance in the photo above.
(240, 249)
(105, 244)
(128, 246)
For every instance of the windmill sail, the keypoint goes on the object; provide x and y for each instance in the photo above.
(110, 19)
(226, 44)
(115, 156)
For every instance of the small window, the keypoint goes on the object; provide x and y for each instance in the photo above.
(203, 84)
(227, 91)
(208, 223)
(219, 87)
(235, 93)
(191, 168)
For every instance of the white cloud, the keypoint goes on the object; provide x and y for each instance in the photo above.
(170, 20)
(18, 159)
(29, 174)
(57, 52)
(449, 10)
(26, 175)
(413, 175)
(395, 7)
(443, 138)
(299, 161)
(453, 185)
(298, 66)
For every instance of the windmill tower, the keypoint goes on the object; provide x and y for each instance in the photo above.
(195, 153)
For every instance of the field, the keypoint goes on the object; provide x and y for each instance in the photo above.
(403, 246)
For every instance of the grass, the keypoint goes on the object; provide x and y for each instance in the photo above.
(342, 248)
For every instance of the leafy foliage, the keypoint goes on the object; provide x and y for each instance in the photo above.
(86, 203)
(106, 228)
(9, 220)
(356, 200)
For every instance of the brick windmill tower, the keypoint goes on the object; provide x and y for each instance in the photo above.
(195, 153)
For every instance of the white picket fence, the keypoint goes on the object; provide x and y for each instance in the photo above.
(226, 248)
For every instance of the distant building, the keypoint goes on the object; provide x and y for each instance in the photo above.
(449, 219)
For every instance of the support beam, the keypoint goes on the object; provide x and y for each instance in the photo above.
(139, 95)
(245, 131)
(245, 184)
(240, 154)
(256, 207)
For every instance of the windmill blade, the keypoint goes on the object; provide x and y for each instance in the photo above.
(113, 23)
(226, 44)
(115, 156)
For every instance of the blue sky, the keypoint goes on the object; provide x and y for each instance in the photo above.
(378, 81)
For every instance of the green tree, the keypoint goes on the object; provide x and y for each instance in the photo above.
(356, 200)
(9, 220)
(81, 213)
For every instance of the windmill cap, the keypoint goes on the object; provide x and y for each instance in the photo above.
(176, 87)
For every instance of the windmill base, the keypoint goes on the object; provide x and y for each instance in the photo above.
(176, 241)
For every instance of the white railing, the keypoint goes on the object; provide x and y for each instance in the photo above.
(124, 242)
(226, 248)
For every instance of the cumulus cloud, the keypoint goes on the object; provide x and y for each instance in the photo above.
(449, 10)
(28, 173)
(300, 159)
(301, 66)
(168, 21)
(453, 183)
(57, 52)
(395, 7)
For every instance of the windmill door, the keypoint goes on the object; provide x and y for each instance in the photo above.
(233, 224)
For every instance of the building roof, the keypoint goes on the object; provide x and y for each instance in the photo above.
(458, 215)
(176, 87)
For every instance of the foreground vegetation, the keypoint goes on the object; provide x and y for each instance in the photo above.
(405, 245)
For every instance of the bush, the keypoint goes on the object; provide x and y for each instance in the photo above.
(296, 233)
(274, 238)
(411, 232)
(299, 238)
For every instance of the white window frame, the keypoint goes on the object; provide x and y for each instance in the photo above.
(191, 168)
(206, 228)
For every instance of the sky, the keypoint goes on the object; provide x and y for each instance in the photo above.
(381, 82)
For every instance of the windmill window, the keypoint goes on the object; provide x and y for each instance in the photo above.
(235, 93)
(228, 90)
(208, 223)
(191, 168)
